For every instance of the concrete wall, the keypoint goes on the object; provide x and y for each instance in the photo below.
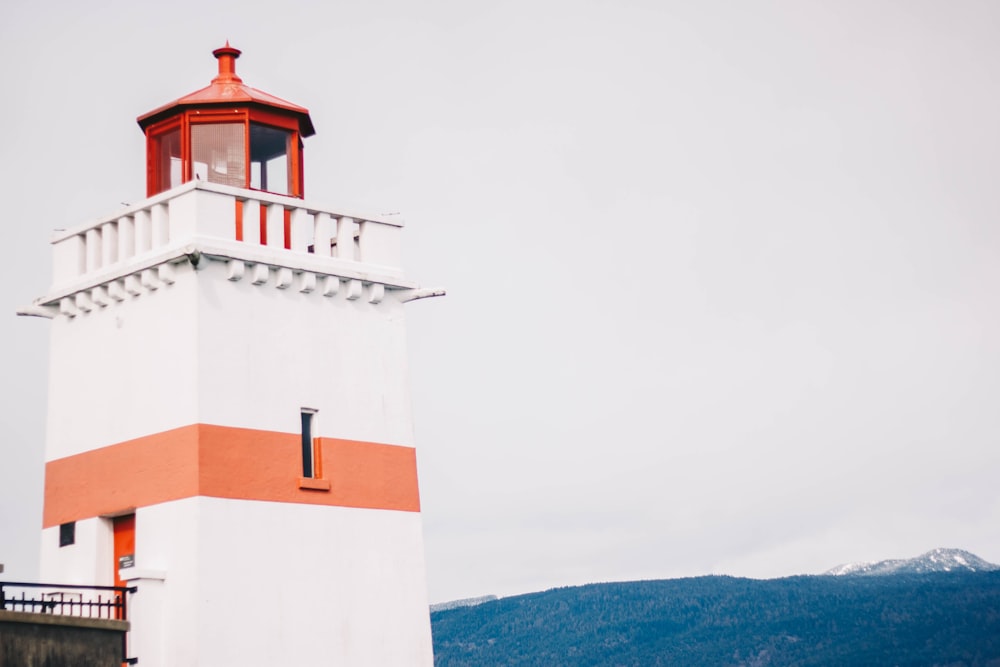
(87, 562)
(210, 350)
(230, 582)
(266, 352)
(124, 371)
(247, 345)
(44, 640)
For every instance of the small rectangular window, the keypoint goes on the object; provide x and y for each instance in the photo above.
(67, 534)
(308, 450)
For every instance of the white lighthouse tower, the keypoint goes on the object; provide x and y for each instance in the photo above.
(229, 423)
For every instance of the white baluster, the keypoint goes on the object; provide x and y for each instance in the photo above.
(321, 238)
(345, 238)
(93, 250)
(301, 230)
(109, 243)
(161, 225)
(275, 226)
(126, 237)
(143, 232)
(251, 221)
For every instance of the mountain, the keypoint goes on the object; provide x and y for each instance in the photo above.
(938, 560)
(937, 618)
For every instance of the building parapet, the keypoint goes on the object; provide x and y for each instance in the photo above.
(137, 248)
(197, 208)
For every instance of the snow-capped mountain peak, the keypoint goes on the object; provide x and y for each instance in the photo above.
(937, 560)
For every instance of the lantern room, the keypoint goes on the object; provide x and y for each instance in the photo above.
(227, 133)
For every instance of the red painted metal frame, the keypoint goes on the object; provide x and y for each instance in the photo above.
(153, 133)
(208, 105)
(244, 116)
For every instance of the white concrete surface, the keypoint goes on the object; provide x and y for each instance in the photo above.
(161, 319)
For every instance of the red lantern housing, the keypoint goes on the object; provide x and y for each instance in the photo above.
(227, 133)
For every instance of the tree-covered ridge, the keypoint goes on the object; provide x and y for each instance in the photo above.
(948, 619)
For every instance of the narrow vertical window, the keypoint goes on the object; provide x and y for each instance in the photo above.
(165, 159)
(67, 534)
(308, 451)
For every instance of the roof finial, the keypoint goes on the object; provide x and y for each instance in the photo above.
(227, 56)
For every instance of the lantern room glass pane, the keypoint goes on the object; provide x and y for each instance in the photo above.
(218, 153)
(166, 159)
(270, 154)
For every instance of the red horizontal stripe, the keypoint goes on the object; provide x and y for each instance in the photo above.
(226, 462)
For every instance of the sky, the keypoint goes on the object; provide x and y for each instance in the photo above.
(723, 278)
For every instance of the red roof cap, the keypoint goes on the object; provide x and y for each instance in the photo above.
(227, 56)
(227, 88)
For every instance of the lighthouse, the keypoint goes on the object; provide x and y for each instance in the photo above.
(229, 425)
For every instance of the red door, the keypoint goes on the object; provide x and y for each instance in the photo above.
(124, 530)
(124, 544)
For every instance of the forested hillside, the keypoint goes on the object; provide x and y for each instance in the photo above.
(929, 619)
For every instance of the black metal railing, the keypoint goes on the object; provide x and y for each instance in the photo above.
(110, 602)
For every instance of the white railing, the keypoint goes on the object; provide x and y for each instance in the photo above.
(199, 210)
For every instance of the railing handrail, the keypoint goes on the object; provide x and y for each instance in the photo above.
(243, 194)
(33, 584)
(52, 599)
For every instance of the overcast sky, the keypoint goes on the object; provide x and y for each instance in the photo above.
(723, 278)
